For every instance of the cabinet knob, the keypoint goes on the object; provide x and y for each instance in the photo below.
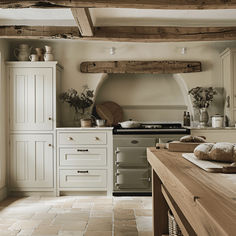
(49, 118)
(97, 138)
(70, 138)
(50, 145)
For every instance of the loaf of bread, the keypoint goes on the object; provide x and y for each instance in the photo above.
(192, 139)
(223, 152)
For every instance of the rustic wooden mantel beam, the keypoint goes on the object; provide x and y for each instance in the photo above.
(141, 4)
(138, 67)
(39, 32)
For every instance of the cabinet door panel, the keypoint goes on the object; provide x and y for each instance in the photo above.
(31, 161)
(31, 98)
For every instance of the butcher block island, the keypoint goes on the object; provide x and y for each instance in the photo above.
(202, 203)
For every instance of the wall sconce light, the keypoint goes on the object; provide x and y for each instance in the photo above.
(183, 51)
(112, 51)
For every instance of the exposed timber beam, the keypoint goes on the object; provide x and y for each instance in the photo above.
(163, 34)
(142, 4)
(83, 20)
(37, 32)
(137, 67)
(122, 33)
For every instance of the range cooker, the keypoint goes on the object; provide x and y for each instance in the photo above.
(131, 170)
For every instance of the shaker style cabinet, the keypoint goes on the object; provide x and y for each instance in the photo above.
(31, 161)
(228, 72)
(32, 104)
(31, 96)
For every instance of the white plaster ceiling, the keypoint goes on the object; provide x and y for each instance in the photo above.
(119, 17)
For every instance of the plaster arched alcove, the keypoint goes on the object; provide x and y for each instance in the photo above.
(146, 97)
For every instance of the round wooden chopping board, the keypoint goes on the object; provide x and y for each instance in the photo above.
(111, 112)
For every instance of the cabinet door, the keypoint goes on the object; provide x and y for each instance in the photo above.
(31, 98)
(31, 161)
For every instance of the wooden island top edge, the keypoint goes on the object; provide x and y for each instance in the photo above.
(205, 198)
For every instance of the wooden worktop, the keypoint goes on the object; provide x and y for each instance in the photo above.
(207, 200)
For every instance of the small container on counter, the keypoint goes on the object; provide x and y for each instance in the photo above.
(217, 121)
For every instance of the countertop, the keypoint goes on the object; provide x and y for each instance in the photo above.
(85, 128)
(210, 128)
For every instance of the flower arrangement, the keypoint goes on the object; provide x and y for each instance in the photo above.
(202, 97)
(80, 102)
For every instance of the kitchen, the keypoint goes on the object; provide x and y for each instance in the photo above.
(142, 97)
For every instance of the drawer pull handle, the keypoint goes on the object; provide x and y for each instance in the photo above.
(134, 141)
(70, 138)
(82, 150)
(82, 171)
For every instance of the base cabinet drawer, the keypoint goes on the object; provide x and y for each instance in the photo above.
(83, 178)
(95, 138)
(83, 157)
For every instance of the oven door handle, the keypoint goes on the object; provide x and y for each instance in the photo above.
(117, 163)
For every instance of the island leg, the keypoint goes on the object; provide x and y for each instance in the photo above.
(159, 208)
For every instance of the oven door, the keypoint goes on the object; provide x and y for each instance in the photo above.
(131, 157)
(130, 179)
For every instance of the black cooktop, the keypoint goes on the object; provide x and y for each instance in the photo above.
(153, 128)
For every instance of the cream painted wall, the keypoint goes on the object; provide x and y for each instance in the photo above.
(3, 131)
(71, 53)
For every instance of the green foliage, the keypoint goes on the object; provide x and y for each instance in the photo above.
(202, 97)
(80, 102)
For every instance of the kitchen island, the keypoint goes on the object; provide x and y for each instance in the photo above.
(202, 203)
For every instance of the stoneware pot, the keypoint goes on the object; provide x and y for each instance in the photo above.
(86, 123)
(40, 53)
(23, 52)
(33, 57)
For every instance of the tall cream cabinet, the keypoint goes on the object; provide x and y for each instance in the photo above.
(228, 70)
(32, 103)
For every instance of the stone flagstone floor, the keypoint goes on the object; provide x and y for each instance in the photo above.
(76, 216)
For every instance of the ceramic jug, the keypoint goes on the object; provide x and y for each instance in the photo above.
(22, 53)
(40, 53)
(48, 56)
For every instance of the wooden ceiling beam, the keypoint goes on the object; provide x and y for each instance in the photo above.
(39, 32)
(141, 4)
(83, 20)
(138, 67)
(123, 34)
(163, 34)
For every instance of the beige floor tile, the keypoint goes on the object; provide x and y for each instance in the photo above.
(25, 224)
(124, 214)
(25, 232)
(9, 232)
(101, 213)
(125, 226)
(43, 216)
(127, 233)
(143, 212)
(100, 224)
(80, 216)
(98, 233)
(74, 226)
(144, 223)
(144, 233)
(70, 233)
(46, 230)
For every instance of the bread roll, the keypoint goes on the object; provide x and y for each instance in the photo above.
(192, 139)
(223, 152)
(202, 151)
